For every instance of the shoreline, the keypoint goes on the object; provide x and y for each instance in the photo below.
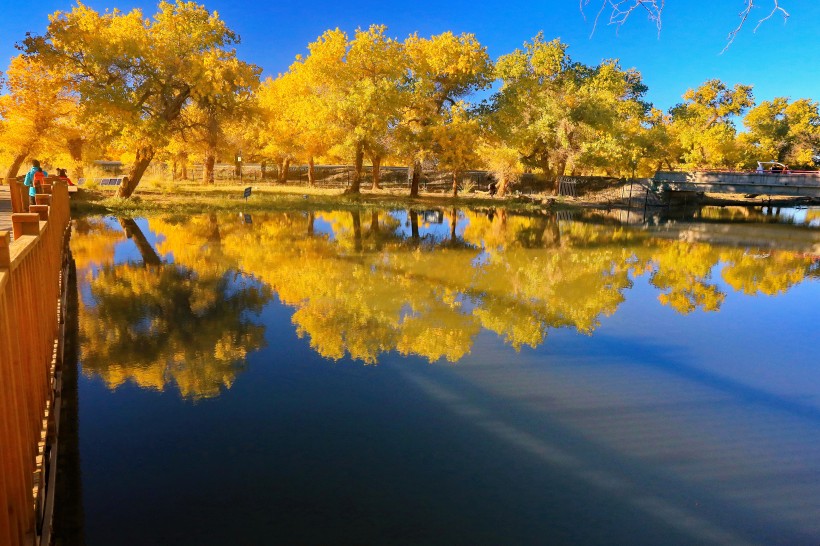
(196, 198)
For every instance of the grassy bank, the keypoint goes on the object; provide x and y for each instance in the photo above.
(197, 198)
(191, 198)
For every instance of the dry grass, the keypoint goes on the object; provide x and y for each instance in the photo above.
(166, 196)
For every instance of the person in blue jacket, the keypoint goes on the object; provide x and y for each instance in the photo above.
(29, 180)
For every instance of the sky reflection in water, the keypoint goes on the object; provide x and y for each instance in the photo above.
(648, 384)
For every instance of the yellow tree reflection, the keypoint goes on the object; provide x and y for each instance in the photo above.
(767, 273)
(93, 242)
(683, 273)
(363, 284)
(169, 324)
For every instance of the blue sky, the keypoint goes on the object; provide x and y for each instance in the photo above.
(779, 59)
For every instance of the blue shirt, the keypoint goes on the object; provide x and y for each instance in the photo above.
(29, 181)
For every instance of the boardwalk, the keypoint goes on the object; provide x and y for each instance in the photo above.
(5, 209)
(31, 307)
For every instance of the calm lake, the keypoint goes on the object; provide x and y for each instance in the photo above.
(449, 377)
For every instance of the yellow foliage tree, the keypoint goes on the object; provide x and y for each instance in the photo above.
(455, 142)
(35, 111)
(703, 125)
(443, 70)
(135, 75)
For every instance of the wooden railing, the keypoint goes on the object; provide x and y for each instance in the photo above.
(19, 192)
(32, 276)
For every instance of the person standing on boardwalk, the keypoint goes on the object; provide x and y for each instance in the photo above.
(61, 174)
(34, 175)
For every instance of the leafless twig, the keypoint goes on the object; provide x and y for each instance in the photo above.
(744, 15)
(622, 9)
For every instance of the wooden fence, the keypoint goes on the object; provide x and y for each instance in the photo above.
(32, 275)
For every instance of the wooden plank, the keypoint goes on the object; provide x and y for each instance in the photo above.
(5, 209)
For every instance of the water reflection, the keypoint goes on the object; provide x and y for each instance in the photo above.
(689, 417)
(159, 324)
(421, 283)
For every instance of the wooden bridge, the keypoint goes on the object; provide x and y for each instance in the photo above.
(33, 279)
(5, 209)
(790, 184)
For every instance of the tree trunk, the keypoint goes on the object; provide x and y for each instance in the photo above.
(377, 163)
(311, 220)
(141, 161)
(357, 229)
(501, 226)
(455, 183)
(545, 166)
(499, 223)
(174, 169)
(453, 224)
(208, 171)
(357, 173)
(214, 236)
(552, 232)
(263, 168)
(374, 222)
(414, 225)
(75, 150)
(184, 168)
(414, 184)
(133, 232)
(284, 171)
(562, 167)
(311, 173)
(502, 187)
(15, 164)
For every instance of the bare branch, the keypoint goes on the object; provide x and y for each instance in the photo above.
(776, 7)
(621, 10)
(744, 15)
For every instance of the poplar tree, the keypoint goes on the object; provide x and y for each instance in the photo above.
(135, 75)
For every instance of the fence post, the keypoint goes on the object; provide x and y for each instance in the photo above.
(19, 200)
(41, 210)
(25, 223)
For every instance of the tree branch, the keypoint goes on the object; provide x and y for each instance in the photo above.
(621, 10)
(744, 15)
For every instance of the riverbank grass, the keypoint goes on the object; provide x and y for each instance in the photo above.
(164, 197)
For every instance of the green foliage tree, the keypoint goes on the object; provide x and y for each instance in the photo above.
(564, 115)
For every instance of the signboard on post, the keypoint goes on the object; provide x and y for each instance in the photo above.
(247, 193)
